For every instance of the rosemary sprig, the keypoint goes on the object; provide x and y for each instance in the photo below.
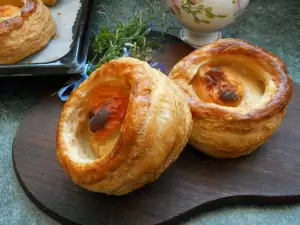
(129, 38)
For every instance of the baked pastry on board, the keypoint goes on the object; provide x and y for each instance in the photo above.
(122, 127)
(26, 26)
(237, 94)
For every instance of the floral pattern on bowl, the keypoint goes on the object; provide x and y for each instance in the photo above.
(206, 15)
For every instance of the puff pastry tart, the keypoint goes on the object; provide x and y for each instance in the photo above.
(122, 127)
(237, 94)
(26, 26)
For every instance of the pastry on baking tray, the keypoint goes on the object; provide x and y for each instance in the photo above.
(49, 2)
(237, 94)
(26, 26)
(122, 127)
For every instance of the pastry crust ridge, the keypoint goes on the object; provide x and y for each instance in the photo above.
(154, 132)
(237, 93)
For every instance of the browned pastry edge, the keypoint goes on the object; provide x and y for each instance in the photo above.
(106, 169)
(15, 22)
(50, 2)
(130, 127)
(276, 67)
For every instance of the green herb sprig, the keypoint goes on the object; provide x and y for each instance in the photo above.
(132, 33)
(109, 43)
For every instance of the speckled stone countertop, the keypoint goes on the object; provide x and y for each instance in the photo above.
(274, 25)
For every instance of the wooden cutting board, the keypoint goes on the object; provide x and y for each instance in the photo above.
(193, 184)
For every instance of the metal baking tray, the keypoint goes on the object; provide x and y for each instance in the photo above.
(74, 19)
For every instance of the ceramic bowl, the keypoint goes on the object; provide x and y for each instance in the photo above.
(203, 19)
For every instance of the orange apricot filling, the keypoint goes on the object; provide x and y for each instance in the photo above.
(215, 86)
(108, 110)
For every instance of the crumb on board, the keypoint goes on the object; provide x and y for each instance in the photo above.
(56, 36)
(59, 13)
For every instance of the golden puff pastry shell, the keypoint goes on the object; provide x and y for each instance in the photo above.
(152, 135)
(237, 94)
(26, 26)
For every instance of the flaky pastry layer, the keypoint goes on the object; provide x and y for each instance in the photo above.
(26, 33)
(237, 93)
(50, 2)
(155, 130)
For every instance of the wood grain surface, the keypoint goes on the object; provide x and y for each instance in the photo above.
(193, 184)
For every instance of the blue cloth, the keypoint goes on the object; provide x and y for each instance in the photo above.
(126, 52)
(66, 91)
(158, 66)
